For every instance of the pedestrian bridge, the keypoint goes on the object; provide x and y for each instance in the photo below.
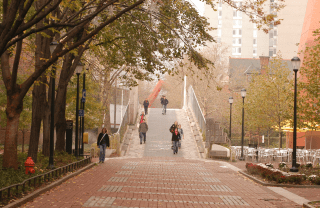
(194, 126)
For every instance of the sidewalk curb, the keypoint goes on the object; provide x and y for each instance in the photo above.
(47, 188)
(307, 205)
(277, 185)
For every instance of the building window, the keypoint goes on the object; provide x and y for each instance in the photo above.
(274, 41)
(271, 34)
(254, 41)
(270, 42)
(274, 51)
(239, 50)
(275, 33)
(240, 32)
(237, 14)
(237, 22)
(220, 4)
(220, 13)
(271, 52)
(234, 32)
(234, 50)
(218, 40)
(255, 51)
(236, 41)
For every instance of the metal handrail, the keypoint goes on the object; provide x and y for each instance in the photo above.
(125, 112)
(200, 119)
(62, 170)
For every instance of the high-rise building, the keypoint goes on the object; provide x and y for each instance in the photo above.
(246, 41)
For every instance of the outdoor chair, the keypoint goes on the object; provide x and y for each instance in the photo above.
(251, 152)
(281, 155)
(316, 157)
(266, 155)
(300, 155)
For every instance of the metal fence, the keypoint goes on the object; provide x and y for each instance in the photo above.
(36, 181)
(196, 109)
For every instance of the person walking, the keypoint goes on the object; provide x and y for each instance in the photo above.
(102, 143)
(175, 140)
(141, 117)
(146, 105)
(143, 128)
(164, 103)
(174, 125)
(181, 135)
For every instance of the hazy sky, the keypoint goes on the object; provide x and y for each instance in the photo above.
(199, 5)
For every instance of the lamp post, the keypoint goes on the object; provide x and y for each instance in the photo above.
(78, 71)
(83, 100)
(296, 65)
(243, 95)
(53, 46)
(230, 101)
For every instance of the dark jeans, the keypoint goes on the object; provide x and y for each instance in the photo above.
(145, 110)
(102, 155)
(144, 136)
(164, 110)
(175, 146)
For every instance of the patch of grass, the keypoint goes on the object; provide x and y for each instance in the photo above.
(10, 176)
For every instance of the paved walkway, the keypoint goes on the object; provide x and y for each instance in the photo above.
(150, 175)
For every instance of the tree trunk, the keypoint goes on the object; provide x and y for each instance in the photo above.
(13, 111)
(11, 137)
(60, 105)
(268, 138)
(22, 150)
(38, 102)
(280, 137)
(258, 137)
(106, 102)
(39, 91)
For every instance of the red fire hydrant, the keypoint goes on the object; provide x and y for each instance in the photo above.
(29, 164)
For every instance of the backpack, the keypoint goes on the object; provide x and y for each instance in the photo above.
(172, 128)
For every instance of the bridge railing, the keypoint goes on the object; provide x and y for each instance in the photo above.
(193, 104)
(124, 122)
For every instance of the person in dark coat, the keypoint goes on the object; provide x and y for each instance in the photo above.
(175, 140)
(143, 128)
(102, 143)
(146, 105)
(164, 103)
(172, 128)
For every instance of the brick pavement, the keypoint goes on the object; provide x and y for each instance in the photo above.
(149, 176)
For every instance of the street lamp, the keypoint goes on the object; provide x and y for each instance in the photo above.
(78, 70)
(243, 95)
(53, 46)
(230, 101)
(296, 65)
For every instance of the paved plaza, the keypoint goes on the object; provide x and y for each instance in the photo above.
(150, 175)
